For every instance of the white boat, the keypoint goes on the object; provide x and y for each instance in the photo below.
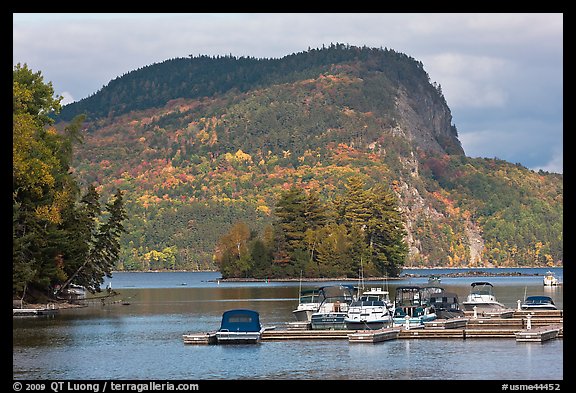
(411, 307)
(239, 326)
(482, 297)
(550, 279)
(370, 311)
(333, 310)
(538, 302)
(72, 292)
(308, 303)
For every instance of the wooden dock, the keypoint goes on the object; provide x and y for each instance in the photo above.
(374, 336)
(27, 312)
(285, 334)
(540, 334)
(452, 323)
(200, 338)
(523, 326)
(487, 326)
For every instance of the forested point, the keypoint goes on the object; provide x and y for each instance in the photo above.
(61, 234)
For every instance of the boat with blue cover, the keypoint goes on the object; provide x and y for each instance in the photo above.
(239, 326)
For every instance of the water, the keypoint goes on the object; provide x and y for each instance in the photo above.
(143, 340)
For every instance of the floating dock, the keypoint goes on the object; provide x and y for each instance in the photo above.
(200, 338)
(27, 312)
(540, 334)
(374, 336)
(536, 326)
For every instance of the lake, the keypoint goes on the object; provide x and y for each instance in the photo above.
(143, 339)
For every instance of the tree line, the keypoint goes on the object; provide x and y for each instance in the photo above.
(359, 232)
(60, 235)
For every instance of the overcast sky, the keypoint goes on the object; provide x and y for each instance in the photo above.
(501, 74)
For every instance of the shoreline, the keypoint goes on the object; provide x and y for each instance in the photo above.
(472, 273)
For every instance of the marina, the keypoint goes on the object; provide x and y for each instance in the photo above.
(162, 312)
(462, 328)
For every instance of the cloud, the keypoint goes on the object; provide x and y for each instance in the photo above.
(468, 80)
(536, 144)
(67, 98)
(500, 73)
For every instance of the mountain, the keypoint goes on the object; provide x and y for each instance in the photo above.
(200, 143)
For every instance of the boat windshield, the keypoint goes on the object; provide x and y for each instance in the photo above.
(367, 303)
(310, 296)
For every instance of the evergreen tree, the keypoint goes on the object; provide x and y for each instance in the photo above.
(292, 214)
(55, 239)
(386, 233)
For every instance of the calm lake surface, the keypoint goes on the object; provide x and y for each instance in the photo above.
(143, 340)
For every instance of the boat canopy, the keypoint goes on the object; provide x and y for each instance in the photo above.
(338, 292)
(240, 320)
(481, 288)
(479, 283)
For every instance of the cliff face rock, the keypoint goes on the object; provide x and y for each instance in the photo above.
(427, 121)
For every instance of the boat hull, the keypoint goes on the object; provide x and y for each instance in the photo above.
(367, 325)
(238, 337)
(469, 306)
(414, 321)
(328, 321)
(303, 315)
(530, 307)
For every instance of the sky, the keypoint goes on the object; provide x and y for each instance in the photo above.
(501, 74)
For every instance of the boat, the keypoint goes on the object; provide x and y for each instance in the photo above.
(370, 311)
(550, 279)
(446, 305)
(308, 303)
(482, 297)
(239, 326)
(333, 310)
(71, 293)
(410, 306)
(434, 279)
(538, 302)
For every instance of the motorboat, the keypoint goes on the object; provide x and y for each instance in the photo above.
(239, 326)
(538, 302)
(411, 307)
(334, 306)
(434, 279)
(370, 311)
(482, 297)
(71, 293)
(308, 303)
(550, 279)
(446, 305)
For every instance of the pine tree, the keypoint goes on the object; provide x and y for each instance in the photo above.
(386, 233)
(291, 211)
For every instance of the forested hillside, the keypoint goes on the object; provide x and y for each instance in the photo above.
(200, 145)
